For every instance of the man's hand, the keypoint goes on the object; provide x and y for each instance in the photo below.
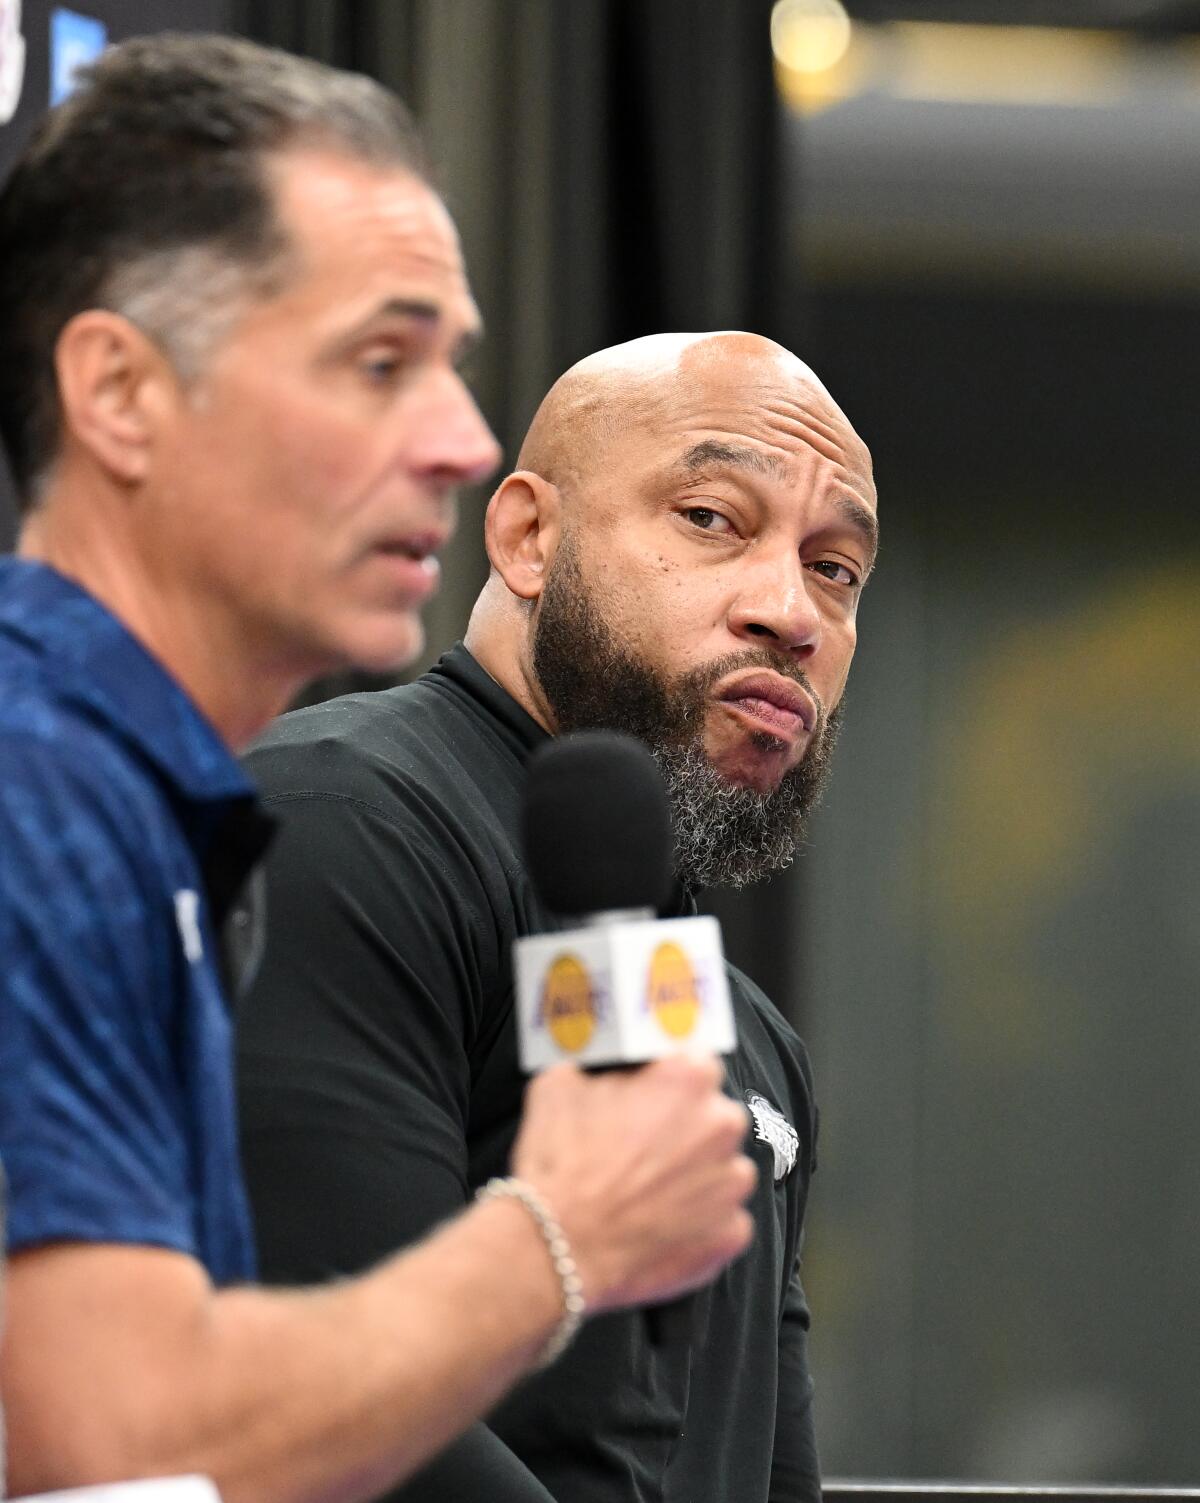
(123, 1361)
(645, 1172)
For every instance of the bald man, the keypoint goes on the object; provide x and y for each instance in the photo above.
(679, 554)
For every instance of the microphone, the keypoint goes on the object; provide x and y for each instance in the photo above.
(623, 987)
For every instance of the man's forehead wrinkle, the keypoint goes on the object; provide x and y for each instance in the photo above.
(828, 434)
(777, 429)
(803, 415)
(758, 393)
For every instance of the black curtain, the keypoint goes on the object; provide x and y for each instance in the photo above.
(668, 214)
(614, 169)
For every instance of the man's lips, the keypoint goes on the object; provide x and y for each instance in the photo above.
(775, 702)
(418, 546)
(414, 559)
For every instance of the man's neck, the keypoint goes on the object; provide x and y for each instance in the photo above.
(203, 644)
(497, 637)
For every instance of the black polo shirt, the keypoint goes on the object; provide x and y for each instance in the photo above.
(379, 1086)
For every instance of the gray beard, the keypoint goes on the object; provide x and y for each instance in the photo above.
(726, 835)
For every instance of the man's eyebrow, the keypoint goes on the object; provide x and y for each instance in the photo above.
(419, 310)
(711, 452)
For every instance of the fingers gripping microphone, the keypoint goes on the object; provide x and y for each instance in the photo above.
(623, 987)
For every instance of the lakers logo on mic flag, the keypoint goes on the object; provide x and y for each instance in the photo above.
(569, 1003)
(672, 991)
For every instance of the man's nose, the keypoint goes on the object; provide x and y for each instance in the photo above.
(456, 442)
(775, 607)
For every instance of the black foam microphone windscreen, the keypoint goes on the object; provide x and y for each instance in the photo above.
(597, 825)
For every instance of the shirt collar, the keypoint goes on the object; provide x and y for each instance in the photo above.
(464, 669)
(97, 662)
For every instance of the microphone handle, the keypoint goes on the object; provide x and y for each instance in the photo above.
(672, 1323)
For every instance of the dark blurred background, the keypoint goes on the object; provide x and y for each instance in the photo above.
(980, 222)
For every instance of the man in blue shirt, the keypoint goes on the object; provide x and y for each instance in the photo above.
(117, 800)
(230, 311)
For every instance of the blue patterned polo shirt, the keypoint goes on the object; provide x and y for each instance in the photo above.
(126, 827)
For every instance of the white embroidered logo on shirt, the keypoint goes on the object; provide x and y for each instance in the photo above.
(187, 916)
(771, 1126)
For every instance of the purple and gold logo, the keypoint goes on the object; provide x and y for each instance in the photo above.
(568, 1006)
(671, 991)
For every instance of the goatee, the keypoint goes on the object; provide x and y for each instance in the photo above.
(726, 835)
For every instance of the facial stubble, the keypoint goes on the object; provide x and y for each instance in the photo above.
(726, 835)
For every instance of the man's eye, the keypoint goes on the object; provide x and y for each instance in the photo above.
(839, 573)
(381, 368)
(708, 520)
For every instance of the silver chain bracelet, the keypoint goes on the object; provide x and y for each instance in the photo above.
(560, 1255)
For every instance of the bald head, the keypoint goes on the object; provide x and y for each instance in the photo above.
(642, 384)
(680, 555)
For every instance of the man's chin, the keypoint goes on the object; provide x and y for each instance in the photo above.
(383, 642)
(760, 767)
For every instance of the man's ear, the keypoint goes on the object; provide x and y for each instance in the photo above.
(521, 531)
(112, 384)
